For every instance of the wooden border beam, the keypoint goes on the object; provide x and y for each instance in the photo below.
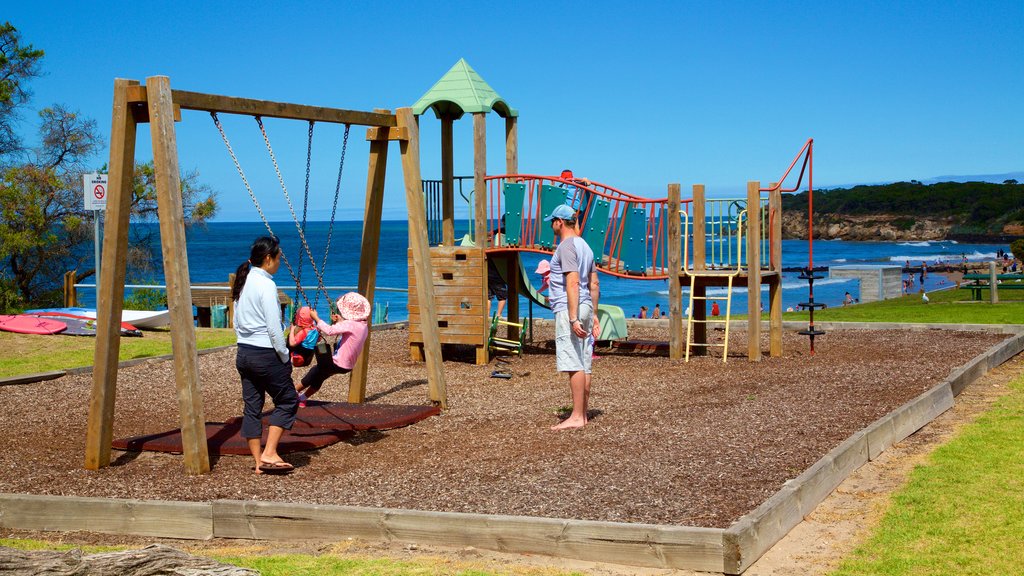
(267, 109)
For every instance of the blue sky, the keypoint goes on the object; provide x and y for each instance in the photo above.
(635, 96)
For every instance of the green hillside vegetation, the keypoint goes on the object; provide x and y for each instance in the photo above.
(976, 207)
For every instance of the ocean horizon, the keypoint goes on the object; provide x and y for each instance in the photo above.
(218, 248)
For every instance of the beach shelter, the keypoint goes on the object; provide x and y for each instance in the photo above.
(461, 90)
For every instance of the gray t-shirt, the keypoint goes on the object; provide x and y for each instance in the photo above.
(571, 256)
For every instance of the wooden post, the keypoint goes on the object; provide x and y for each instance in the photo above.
(421, 255)
(369, 253)
(110, 294)
(479, 173)
(447, 181)
(231, 302)
(70, 292)
(700, 307)
(775, 260)
(179, 292)
(993, 284)
(754, 271)
(675, 290)
(511, 145)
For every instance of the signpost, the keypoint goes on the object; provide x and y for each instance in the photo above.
(94, 187)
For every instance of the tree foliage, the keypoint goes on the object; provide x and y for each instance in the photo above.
(981, 205)
(44, 229)
(18, 65)
(1017, 248)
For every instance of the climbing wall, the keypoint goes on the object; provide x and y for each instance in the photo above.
(460, 294)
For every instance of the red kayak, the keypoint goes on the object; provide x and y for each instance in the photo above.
(25, 324)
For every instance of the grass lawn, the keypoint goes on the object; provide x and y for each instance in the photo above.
(29, 353)
(330, 563)
(963, 511)
(946, 306)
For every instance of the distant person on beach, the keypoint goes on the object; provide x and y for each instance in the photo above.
(574, 295)
(262, 358)
(656, 313)
(847, 299)
(497, 288)
(715, 311)
(643, 312)
(350, 323)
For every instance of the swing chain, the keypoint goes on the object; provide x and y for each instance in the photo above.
(256, 202)
(291, 208)
(334, 208)
(305, 201)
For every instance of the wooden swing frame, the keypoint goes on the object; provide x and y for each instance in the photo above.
(160, 106)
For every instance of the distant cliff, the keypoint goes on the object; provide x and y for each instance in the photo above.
(910, 211)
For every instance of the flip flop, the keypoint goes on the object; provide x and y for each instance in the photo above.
(276, 467)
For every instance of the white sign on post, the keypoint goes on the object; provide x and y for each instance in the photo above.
(95, 188)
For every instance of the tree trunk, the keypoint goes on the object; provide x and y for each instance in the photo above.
(153, 560)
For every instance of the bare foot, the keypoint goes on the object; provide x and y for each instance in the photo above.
(570, 424)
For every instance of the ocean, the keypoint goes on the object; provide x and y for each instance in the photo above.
(216, 250)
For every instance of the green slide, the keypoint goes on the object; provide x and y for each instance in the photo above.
(612, 318)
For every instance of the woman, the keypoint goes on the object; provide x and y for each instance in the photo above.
(263, 360)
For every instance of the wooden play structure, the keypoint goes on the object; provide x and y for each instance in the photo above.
(160, 106)
(697, 243)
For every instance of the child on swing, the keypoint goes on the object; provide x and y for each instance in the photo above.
(302, 337)
(350, 323)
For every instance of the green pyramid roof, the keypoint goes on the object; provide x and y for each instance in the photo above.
(462, 90)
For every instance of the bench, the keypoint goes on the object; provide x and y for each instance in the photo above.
(979, 282)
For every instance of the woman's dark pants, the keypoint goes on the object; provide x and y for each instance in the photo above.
(264, 374)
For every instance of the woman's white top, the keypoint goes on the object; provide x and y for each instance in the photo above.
(257, 314)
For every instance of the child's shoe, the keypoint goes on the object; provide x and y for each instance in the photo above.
(302, 400)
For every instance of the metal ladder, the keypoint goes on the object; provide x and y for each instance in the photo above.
(729, 275)
(719, 320)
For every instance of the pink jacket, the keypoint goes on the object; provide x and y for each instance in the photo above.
(353, 336)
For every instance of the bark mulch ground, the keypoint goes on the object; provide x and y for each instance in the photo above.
(696, 444)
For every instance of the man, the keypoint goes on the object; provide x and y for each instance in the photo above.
(573, 293)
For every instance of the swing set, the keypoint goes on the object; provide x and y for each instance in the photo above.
(160, 106)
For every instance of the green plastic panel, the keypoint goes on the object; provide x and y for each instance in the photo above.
(550, 198)
(514, 195)
(634, 240)
(596, 229)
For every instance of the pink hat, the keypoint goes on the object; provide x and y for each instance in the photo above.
(303, 318)
(353, 306)
(543, 268)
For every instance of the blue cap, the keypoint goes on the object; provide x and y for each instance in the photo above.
(562, 212)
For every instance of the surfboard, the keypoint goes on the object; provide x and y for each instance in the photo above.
(24, 324)
(79, 325)
(137, 318)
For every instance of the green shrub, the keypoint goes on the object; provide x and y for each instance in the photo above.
(146, 299)
(1017, 247)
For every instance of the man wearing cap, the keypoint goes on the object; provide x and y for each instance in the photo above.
(573, 294)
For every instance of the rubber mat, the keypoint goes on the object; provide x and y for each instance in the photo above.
(317, 425)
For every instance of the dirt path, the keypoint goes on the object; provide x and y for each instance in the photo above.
(814, 547)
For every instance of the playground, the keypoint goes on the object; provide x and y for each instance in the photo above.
(723, 419)
(669, 443)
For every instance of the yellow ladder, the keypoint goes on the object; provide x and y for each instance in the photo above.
(728, 313)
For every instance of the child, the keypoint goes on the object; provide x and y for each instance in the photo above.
(350, 324)
(302, 337)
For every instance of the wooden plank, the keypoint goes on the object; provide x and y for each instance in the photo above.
(369, 253)
(179, 295)
(675, 290)
(462, 329)
(446, 292)
(445, 338)
(512, 145)
(267, 109)
(449, 319)
(447, 181)
(479, 173)
(775, 261)
(634, 544)
(110, 295)
(385, 133)
(699, 229)
(152, 518)
(754, 271)
(421, 254)
(449, 309)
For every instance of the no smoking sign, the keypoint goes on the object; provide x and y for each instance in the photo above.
(94, 187)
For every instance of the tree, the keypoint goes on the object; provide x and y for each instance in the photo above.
(43, 226)
(1017, 247)
(1010, 182)
(18, 65)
